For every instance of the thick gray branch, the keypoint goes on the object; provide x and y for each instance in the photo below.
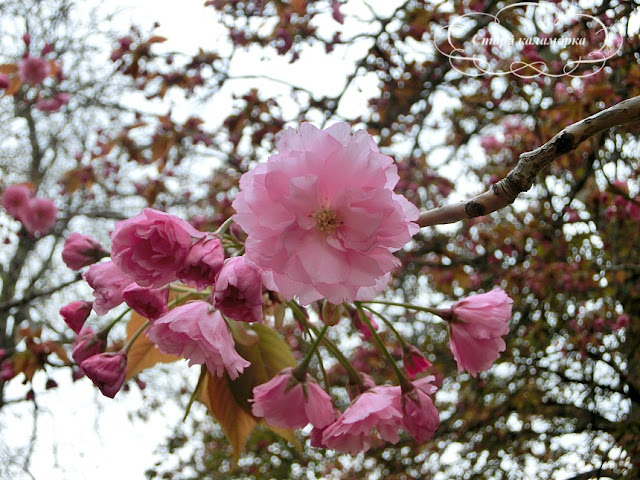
(521, 178)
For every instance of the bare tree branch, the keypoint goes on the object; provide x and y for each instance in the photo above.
(521, 178)
(5, 306)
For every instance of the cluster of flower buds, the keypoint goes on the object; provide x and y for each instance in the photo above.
(38, 215)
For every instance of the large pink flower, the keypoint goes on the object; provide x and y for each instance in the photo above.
(378, 409)
(321, 216)
(286, 402)
(108, 284)
(479, 322)
(152, 246)
(199, 333)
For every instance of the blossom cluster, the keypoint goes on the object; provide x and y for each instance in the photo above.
(321, 223)
(38, 215)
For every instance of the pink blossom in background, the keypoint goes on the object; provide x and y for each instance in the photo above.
(414, 361)
(286, 402)
(361, 326)
(421, 418)
(199, 333)
(75, 314)
(238, 291)
(15, 200)
(622, 321)
(633, 209)
(490, 143)
(87, 344)
(40, 216)
(151, 303)
(376, 410)
(4, 81)
(108, 284)
(203, 263)
(33, 70)
(81, 250)
(152, 246)
(321, 216)
(53, 104)
(107, 371)
(479, 322)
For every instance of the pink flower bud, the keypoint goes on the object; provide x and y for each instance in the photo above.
(48, 48)
(4, 81)
(362, 327)
(106, 371)
(15, 200)
(75, 314)
(414, 361)
(49, 105)
(81, 250)
(87, 344)
(33, 70)
(26, 38)
(108, 283)
(238, 291)
(203, 263)
(286, 402)
(7, 371)
(622, 322)
(40, 216)
(150, 303)
(420, 416)
(479, 322)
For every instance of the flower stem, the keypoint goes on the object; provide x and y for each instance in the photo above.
(351, 372)
(390, 325)
(444, 314)
(223, 228)
(402, 378)
(301, 370)
(196, 392)
(105, 331)
(135, 336)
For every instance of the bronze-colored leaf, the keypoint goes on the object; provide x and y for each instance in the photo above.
(234, 420)
(143, 353)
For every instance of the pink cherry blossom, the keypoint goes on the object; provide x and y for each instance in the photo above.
(40, 216)
(87, 344)
(152, 246)
(238, 291)
(321, 216)
(107, 371)
(286, 402)
(4, 81)
(633, 209)
(75, 314)
(421, 418)
(108, 284)
(479, 322)
(53, 104)
(414, 361)
(203, 263)
(33, 70)
(199, 333)
(81, 250)
(15, 200)
(376, 410)
(148, 302)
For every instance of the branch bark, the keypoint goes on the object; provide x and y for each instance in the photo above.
(521, 178)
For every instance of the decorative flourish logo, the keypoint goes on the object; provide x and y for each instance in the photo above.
(528, 39)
